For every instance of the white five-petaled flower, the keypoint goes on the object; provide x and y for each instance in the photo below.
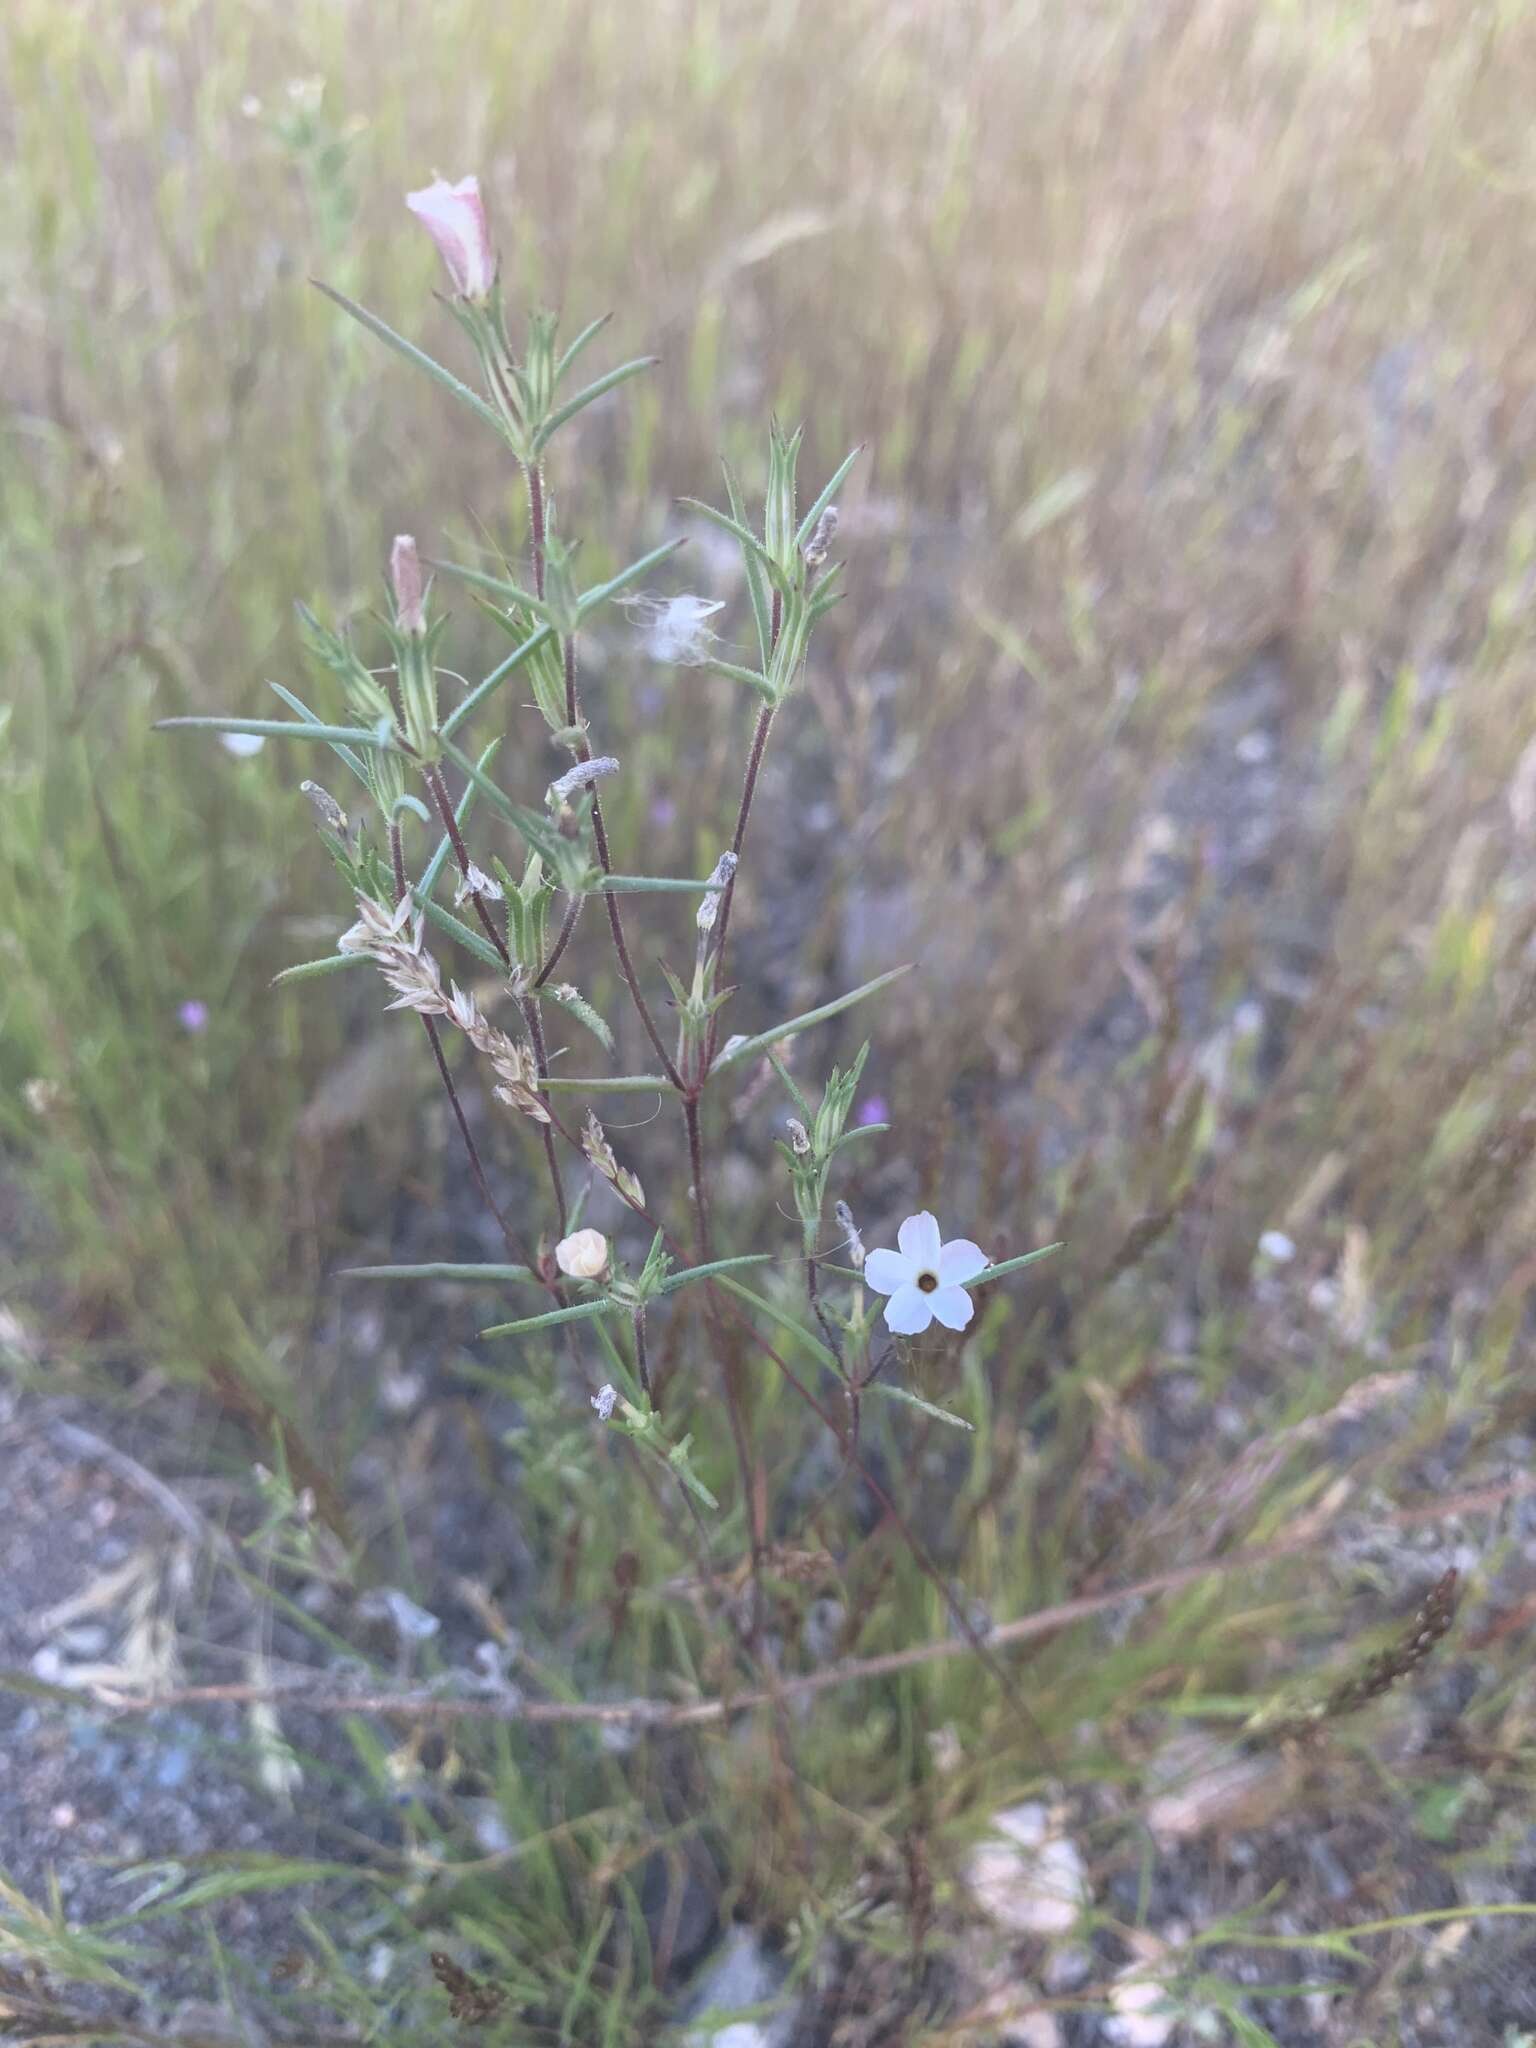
(925, 1278)
(454, 216)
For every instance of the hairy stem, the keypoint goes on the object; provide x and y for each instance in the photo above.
(563, 939)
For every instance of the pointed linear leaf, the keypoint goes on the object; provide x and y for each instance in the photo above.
(715, 1266)
(737, 674)
(497, 676)
(345, 753)
(600, 593)
(472, 941)
(575, 1004)
(599, 388)
(641, 885)
(590, 332)
(439, 1270)
(744, 535)
(761, 612)
(461, 811)
(533, 828)
(578, 1312)
(785, 1321)
(916, 1401)
(605, 1084)
(412, 354)
(276, 728)
(1015, 1265)
(750, 1047)
(499, 587)
(310, 970)
(808, 524)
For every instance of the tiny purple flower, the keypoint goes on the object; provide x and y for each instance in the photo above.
(193, 1016)
(875, 1111)
(663, 811)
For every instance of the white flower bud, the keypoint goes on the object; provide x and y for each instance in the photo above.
(583, 1255)
(604, 1401)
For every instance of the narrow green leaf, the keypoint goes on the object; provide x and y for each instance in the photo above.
(309, 970)
(744, 534)
(461, 811)
(575, 1004)
(916, 1401)
(808, 523)
(499, 587)
(605, 1084)
(737, 674)
(1015, 1265)
(497, 676)
(600, 593)
(275, 728)
(750, 1047)
(413, 354)
(439, 1269)
(676, 1280)
(472, 941)
(784, 1320)
(761, 611)
(590, 332)
(599, 388)
(640, 885)
(578, 1312)
(344, 753)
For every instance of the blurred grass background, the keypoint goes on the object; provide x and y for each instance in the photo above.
(1193, 346)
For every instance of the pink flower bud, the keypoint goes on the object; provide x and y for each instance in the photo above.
(454, 216)
(405, 581)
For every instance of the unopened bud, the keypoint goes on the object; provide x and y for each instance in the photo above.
(581, 775)
(799, 1136)
(583, 1255)
(332, 817)
(405, 581)
(604, 1401)
(853, 1241)
(714, 889)
(820, 542)
(475, 882)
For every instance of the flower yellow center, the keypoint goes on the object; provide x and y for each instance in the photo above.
(928, 1282)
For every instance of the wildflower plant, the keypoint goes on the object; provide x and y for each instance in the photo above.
(468, 859)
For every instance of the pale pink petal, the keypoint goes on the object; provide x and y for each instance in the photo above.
(959, 1261)
(454, 216)
(952, 1305)
(909, 1311)
(886, 1271)
(919, 1239)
